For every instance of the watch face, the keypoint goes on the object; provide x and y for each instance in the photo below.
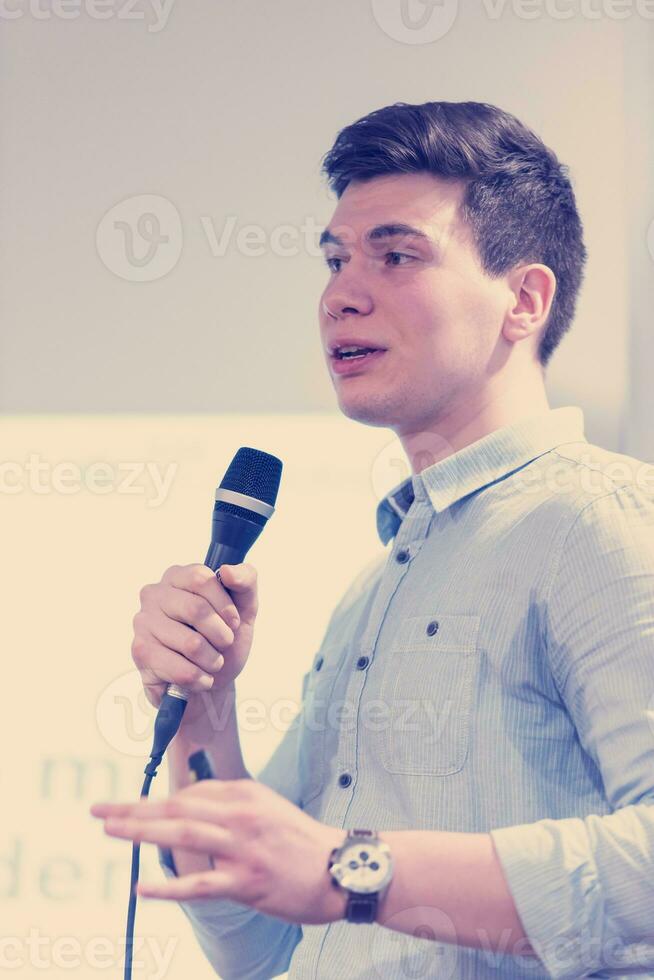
(364, 866)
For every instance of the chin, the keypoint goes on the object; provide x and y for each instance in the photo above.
(368, 412)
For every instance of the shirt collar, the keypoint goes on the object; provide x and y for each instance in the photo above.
(482, 462)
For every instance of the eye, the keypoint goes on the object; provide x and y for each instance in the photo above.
(398, 255)
(388, 255)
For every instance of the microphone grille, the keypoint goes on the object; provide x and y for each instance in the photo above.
(254, 473)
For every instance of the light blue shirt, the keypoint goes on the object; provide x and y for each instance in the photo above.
(492, 671)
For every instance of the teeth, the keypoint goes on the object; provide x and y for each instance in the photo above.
(352, 351)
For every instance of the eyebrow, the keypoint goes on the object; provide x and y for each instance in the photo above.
(378, 233)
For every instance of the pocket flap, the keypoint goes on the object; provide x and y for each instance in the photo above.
(437, 632)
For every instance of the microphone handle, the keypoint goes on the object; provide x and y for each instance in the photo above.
(218, 554)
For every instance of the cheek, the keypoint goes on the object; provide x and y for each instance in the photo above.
(417, 315)
(429, 320)
(480, 303)
(458, 315)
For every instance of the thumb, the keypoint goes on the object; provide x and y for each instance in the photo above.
(241, 583)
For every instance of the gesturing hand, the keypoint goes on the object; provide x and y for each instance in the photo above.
(266, 852)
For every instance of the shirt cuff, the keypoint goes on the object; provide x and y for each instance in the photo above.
(554, 882)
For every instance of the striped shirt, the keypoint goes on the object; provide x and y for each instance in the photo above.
(492, 671)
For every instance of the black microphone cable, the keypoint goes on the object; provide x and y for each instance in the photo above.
(201, 768)
(168, 719)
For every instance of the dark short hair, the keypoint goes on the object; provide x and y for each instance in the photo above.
(518, 200)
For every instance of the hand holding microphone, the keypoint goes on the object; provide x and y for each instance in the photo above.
(192, 632)
(191, 629)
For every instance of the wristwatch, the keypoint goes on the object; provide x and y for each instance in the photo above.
(363, 866)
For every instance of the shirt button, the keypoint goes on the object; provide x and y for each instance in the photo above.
(319, 663)
(432, 628)
(402, 556)
(362, 663)
(344, 779)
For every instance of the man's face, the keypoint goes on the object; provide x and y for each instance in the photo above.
(424, 302)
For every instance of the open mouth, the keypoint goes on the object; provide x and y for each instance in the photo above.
(353, 360)
(354, 353)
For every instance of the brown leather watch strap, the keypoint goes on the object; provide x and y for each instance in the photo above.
(361, 908)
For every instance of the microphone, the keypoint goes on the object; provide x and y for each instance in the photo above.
(244, 502)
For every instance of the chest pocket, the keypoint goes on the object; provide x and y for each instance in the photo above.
(427, 690)
(315, 720)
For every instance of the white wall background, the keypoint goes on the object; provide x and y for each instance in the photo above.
(74, 728)
(223, 110)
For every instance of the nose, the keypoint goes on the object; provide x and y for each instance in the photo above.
(343, 297)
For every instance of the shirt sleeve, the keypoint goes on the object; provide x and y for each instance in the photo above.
(584, 886)
(239, 941)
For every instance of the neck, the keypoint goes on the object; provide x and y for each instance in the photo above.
(471, 418)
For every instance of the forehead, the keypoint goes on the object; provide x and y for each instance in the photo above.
(421, 201)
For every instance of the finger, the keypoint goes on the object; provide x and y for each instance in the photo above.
(178, 807)
(188, 642)
(193, 835)
(154, 690)
(204, 884)
(160, 666)
(241, 580)
(201, 580)
(194, 610)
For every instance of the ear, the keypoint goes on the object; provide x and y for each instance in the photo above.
(532, 289)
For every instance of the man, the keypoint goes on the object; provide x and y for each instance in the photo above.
(494, 752)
